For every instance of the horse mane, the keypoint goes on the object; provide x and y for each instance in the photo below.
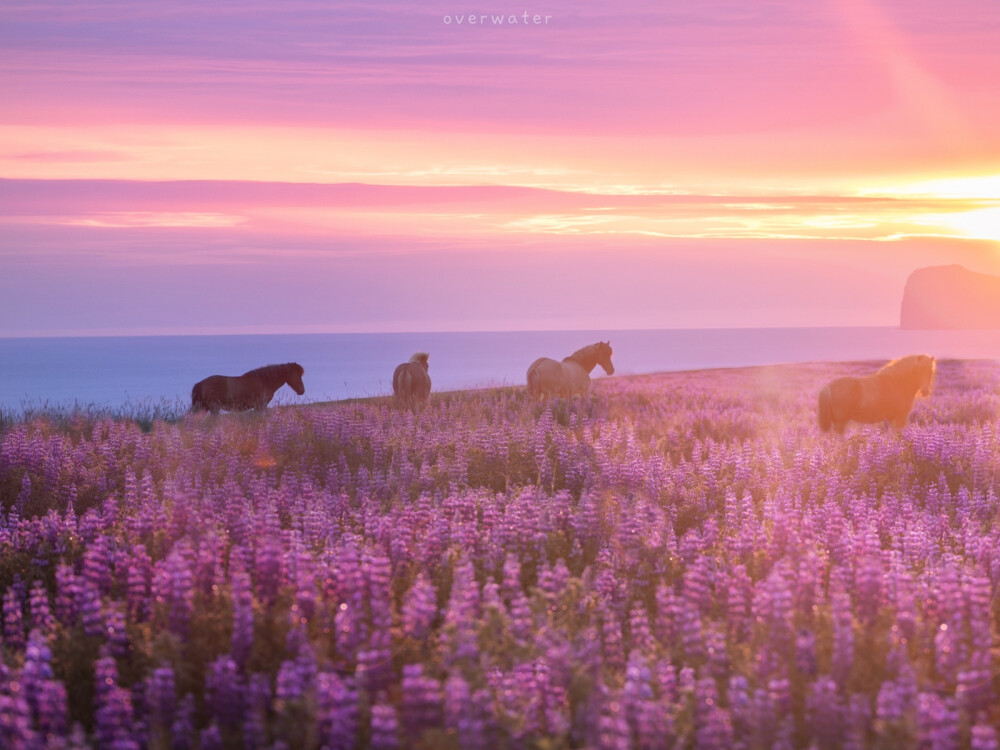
(587, 356)
(271, 374)
(903, 367)
(581, 354)
(420, 358)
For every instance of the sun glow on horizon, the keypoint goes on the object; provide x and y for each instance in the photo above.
(980, 224)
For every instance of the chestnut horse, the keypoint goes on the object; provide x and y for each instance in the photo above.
(411, 382)
(547, 377)
(888, 395)
(251, 390)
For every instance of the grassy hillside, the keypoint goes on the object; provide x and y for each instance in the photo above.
(676, 560)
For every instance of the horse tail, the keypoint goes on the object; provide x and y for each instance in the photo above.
(197, 398)
(405, 389)
(825, 409)
(534, 389)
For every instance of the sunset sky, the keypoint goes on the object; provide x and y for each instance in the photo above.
(216, 167)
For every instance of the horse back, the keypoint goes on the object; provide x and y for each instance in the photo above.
(576, 380)
(411, 381)
(544, 377)
(867, 400)
(209, 393)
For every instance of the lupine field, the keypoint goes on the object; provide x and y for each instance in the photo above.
(677, 560)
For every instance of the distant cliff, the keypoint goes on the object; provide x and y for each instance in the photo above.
(949, 297)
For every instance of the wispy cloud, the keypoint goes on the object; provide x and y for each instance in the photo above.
(486, 211)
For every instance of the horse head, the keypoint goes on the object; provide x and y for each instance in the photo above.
(421, 358)
(604, 352)
(295, 373)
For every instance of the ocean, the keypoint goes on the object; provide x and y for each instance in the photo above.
(119, 372)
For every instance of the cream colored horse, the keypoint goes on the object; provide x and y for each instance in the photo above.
(411, 382)
(571, 377)
(886, 396)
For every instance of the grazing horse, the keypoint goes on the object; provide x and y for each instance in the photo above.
(547, 377)
(887, 395)
(251, 390)
(410, 382)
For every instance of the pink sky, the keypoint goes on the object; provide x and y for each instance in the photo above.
(325, 166)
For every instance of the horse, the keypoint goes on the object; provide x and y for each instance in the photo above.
(888, 395)
(547, 377)
(411, 382)
(251, 390)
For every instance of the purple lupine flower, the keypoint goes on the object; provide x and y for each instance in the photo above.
(258, 706)
(37, 669)
(13, 621)
(173, 586)
(336, 712)
(715, 650)
(974, 692)
(773, 606)
(15, 721)
(224, 692)
(292, 681)
(138, 577)
(690, 630)
(22, 500)
(937, 722)
(419, 609)
(552, 580)
(52, 711)
(459, 634)
(267, 565)
(422, 700)
(868, 588)
(697, 587)
(894, 702)
(713, 723)
(38, 606)
(211, 738)
(947, 656)
(97, 564)
(161, 698)
(639, 630)
(843, 637)
(647, 716)
(984, 737)
(825, 712)
(384, 728)
(612, 726)
(113, 714)
(858, 722)
(89, 604)
(805, 653)
(522, 618)
(668, 615)
(114, 629)
(243, 616)
(460, 714)
(739, 595)
(510, 583)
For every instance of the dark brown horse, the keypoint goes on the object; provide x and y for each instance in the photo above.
(886, 396)
(571, 377)
(411, 383)
(251, 390)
